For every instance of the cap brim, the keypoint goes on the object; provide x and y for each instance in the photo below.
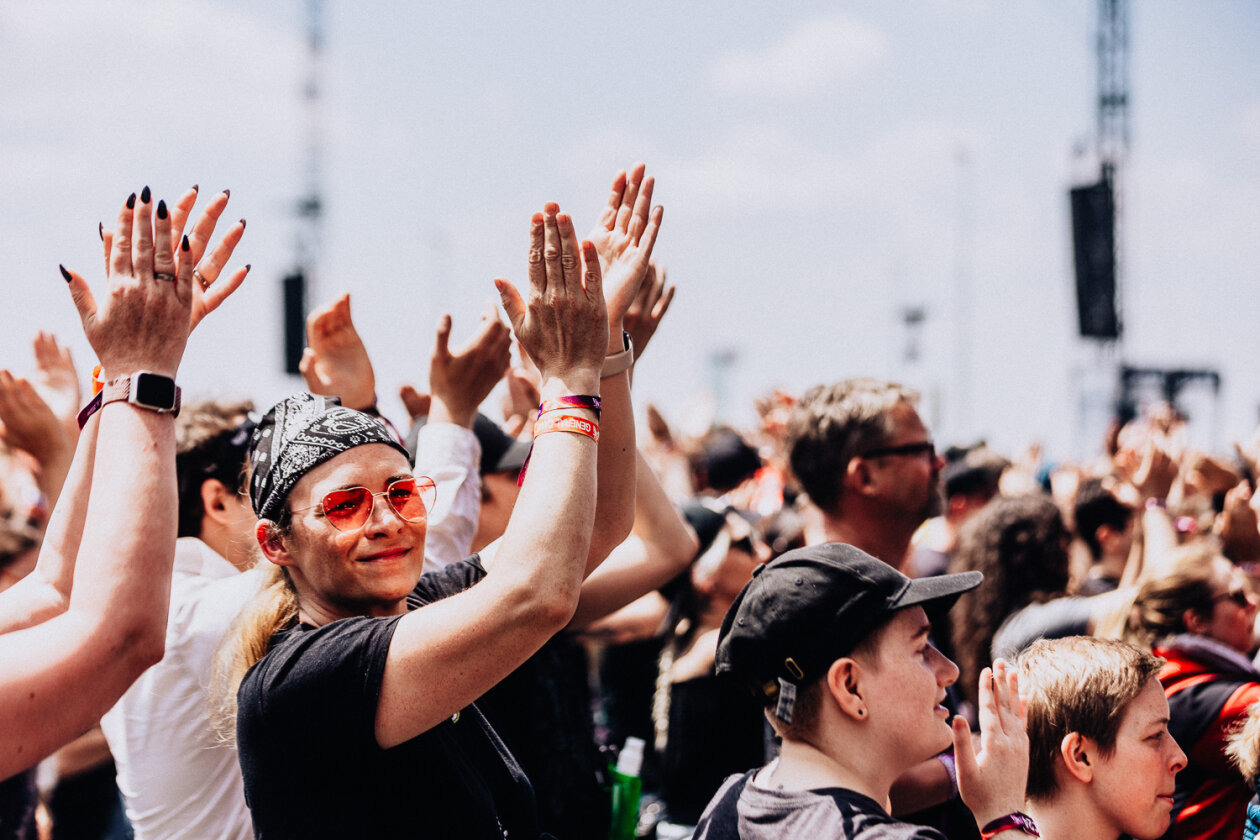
(938, 592)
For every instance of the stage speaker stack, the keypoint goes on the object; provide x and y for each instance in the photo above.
(294, 320)
(1094, 244)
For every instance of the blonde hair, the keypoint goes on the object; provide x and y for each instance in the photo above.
(1243, 747)
(272, 609)
(1077, 684)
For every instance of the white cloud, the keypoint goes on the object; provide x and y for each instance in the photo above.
(813, 57)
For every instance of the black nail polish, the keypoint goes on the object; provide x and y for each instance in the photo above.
(248, 266)
(183, 246)
(161, 211)
(196, 188)
(242, 223)
(100, 228)
(65, 273)
(145, 195)
(228, 193)
(131, 201)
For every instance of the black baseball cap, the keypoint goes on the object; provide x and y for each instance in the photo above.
(807, 608)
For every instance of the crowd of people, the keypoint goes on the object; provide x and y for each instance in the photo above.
(225, 620)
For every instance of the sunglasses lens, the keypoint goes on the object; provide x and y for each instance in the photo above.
(412, 497)
(348, 509)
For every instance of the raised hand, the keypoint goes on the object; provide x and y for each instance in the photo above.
(335, 363)
(144, 319)
(991, 782)
(416, 403)
(205, 274)
(57, 381)
(459, 382)
(648, 308)
(624, 237)
(29, 423)
(564, 325)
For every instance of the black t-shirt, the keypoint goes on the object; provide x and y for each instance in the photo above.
(308, 751)
(741, 810)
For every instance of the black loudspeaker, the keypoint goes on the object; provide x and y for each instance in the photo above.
(1094, 244)
(294, 320)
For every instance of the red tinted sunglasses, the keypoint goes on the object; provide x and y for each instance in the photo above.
(349, 509)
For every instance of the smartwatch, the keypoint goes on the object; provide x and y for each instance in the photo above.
(143, 389)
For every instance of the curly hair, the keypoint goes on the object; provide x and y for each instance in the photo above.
(1020, 544)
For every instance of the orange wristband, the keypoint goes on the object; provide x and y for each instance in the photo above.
(567, 423)
(560, 423)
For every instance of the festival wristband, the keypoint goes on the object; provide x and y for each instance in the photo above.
(97, 383)
(619, 362)
(1017, 821)
(567, 423)
(571, 401)
(559, 423)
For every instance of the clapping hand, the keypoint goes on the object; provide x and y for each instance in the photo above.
(335, 362)
(624, 237)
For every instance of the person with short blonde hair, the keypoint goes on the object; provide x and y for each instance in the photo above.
(1101, 762)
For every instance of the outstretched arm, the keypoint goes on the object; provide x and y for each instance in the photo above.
(446, 448)
(624, 236)
(446, 654)
(58, 677)
(46, 591)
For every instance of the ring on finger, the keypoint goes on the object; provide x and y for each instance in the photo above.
(201, 281)
(163, 276)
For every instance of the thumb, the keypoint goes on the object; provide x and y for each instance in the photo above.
(512, 303)
(441, 348)
(80, 293)
(306, 365)
(416, 403)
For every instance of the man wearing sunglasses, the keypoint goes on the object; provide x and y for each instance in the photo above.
(867, 461)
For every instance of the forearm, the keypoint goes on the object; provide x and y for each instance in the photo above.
(46, 591)
(128, 541)
(661, 546)
(614, 511)
(450, 455)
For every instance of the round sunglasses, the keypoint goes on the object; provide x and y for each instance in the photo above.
(349, 508)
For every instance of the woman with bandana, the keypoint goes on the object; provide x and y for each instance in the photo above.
(355, 713)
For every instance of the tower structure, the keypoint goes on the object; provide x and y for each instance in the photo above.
(310, 204)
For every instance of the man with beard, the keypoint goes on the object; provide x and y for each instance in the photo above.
(861, 452)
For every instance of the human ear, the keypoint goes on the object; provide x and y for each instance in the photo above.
(844, 681)
(271, 542)
(1194, 621)
(215, 496)
(1076, 751)
(858, 474)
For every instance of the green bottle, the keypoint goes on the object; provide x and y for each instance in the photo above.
(626, 789)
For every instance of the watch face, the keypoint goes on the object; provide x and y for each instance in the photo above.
(153, 390)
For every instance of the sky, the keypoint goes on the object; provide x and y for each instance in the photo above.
(823, 166)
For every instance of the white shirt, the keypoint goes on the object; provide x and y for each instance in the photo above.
(178, 781)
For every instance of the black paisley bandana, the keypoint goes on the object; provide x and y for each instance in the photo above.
(298, 434)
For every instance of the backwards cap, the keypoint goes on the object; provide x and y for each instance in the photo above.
(809, 607)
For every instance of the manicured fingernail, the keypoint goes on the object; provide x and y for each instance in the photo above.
(65, 273)
(145, 195)
(161, 211)
(248, 266)
(242, 223)
(228, 193)
(131, 201)
(100, 228)
(196, 188)
(183, 246)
